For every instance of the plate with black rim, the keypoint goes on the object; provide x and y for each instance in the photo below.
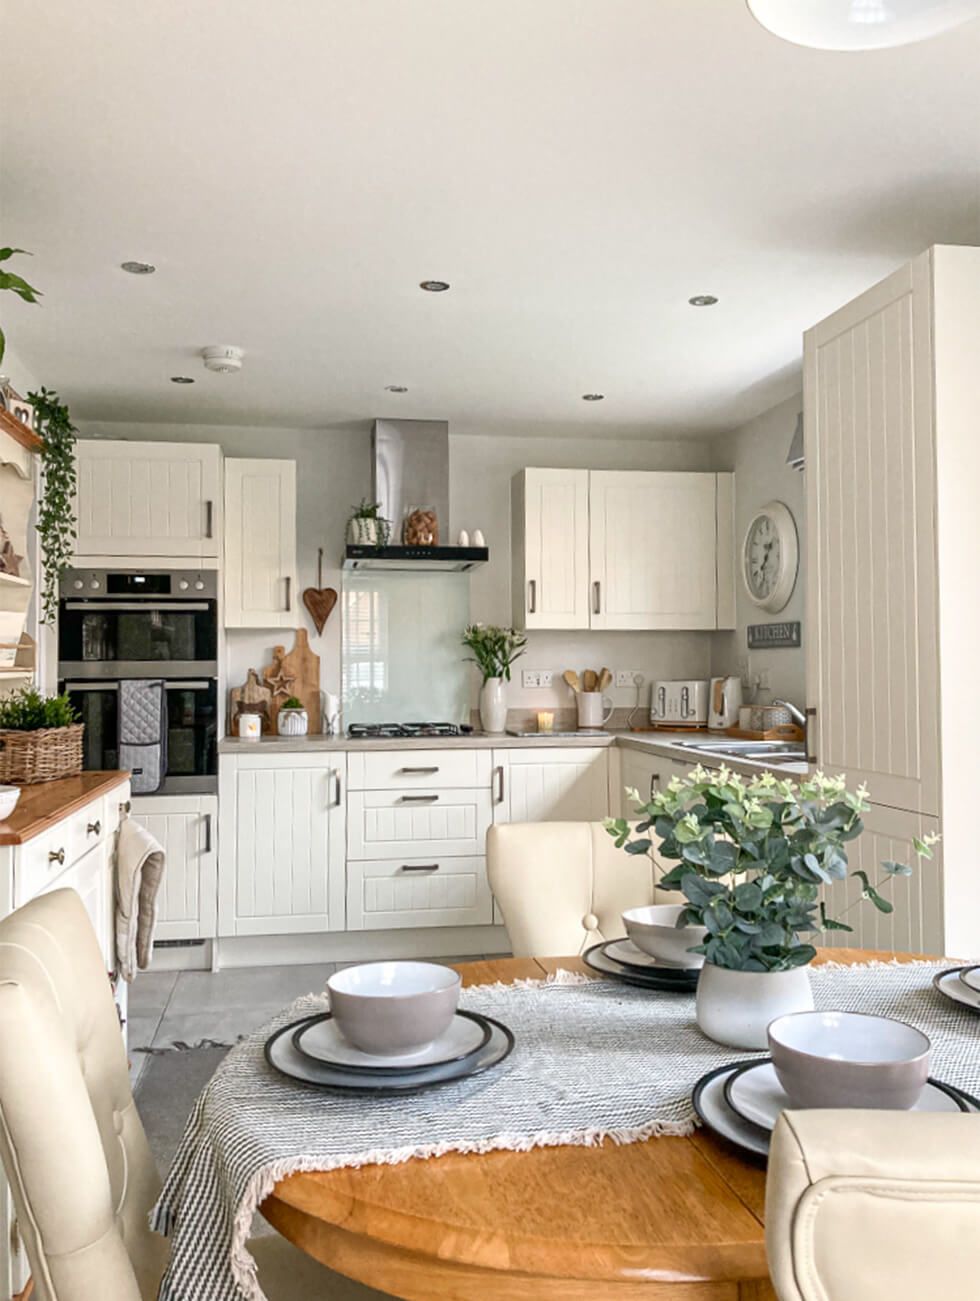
(626, 953)
(970, 976)
(320, 1039)
(754, 1093)
(281, 1054)
(949, 984)
(677, 980)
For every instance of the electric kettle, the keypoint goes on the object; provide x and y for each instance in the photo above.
(725, 700)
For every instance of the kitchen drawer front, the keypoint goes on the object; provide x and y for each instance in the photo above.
(46, 856)
(417, 824)
(387, 770)
(393, 893)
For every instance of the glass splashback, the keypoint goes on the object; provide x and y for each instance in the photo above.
(402, 657)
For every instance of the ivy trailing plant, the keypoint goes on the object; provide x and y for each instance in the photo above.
(56, 507)
(17, 285)
(368, 526)
(752, 857)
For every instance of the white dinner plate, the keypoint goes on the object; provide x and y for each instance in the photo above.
(678, 980)
(709, 1102)
(970, 976)
(626, 952)
(322, 1040)
(949, 983)
(755, 1094)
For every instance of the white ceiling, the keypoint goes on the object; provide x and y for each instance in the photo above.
(576, 168)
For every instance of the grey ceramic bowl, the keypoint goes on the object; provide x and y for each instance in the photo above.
(849, 1059)
(655, 931)
(393, 1008)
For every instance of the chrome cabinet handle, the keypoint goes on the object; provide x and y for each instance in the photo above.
(498, 773)
(418, 772)
(56, 856)
(417, 799)
(596, 598)
(207, 833)
(338, 793)
(94, 828)
(125, 806)
(532, 596)
(420, 867)
(811, 713)
(654, 783)
(289, 592)
(209, 519)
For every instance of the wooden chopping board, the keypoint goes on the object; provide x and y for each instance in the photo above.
(295, 674)
(253, 698)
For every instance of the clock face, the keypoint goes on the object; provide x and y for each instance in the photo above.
(770, 557)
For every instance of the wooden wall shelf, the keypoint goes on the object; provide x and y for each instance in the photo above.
(19, 432)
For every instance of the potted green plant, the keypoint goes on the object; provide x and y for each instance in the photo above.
(494, 651)
(17, 285)
(292, 719)
(752, 856)
(367, 527)
(40, 738)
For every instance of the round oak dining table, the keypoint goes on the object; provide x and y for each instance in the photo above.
(668, 1219)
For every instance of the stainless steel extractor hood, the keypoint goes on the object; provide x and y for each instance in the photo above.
(410, 471)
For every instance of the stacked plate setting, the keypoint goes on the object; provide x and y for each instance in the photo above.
(622, 960)
(393, 1028)
(961, 984)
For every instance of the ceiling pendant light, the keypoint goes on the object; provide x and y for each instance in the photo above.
(860, 24)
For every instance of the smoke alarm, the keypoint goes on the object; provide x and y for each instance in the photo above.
(223, 358)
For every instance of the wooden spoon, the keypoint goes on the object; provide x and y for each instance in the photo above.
(589, 680)
(571, 677)
(605, 677)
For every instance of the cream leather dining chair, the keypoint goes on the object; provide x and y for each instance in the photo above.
(73, 1147)
(562, 886)
(874, 1206)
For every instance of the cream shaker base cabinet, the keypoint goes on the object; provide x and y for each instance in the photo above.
(187, 828)
(646, 773)
(260, 544)
(555, 785)
(281, 838)
(387, 894)
(148, 499)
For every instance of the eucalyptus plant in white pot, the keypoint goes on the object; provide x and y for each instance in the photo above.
(752, 857)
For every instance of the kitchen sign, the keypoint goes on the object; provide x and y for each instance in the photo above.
(774, 636)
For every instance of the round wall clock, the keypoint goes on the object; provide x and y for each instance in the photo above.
(771, 556)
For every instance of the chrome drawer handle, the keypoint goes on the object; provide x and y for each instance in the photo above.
(420, 867)
(56, 856)
(417, 799)
(94, 828)
(418, 772)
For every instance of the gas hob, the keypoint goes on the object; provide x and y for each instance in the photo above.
(393, 731)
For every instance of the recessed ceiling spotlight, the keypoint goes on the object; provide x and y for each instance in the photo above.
(434, 286)
(860, 24)
(138, 268)
(181, 379)
(593, 397)
(703, 300)
(396, 388)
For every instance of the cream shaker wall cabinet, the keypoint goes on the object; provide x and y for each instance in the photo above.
(260, 544)
(623, 550)
(148, 499)
(891, 392)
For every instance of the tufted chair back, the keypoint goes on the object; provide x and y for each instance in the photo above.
(874, 1206)
(563, 886)
(80, 1170)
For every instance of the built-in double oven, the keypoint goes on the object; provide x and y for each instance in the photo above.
(117, 626)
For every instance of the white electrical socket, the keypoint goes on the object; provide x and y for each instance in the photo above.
(530, 678)
(545, 678)
(626, 677)
(762, 679)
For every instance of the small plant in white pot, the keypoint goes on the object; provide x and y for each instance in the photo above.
(753, 855)
(367, 527)
(494, 651)
(292, 719)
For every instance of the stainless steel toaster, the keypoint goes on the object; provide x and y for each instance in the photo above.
(684, 701)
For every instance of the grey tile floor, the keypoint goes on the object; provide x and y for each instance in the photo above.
(169, 1006)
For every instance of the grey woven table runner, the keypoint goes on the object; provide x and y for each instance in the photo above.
(593, 1060)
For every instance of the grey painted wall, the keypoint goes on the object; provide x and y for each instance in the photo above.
(756, 451)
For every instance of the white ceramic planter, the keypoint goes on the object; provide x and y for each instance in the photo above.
(735, 1007)
(362, 532)
(493, 705)
(293, 722)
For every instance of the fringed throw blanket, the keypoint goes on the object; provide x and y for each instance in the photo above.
(594, 1060)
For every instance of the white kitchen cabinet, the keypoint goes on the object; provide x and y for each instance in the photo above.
(646, 772)
(893, 551)
(550, 553)
(623, 550)
(281, 844)
(148, 499)
(187, 828)
(260, 544)
(553, 784)
(434, 890)
(418, 823)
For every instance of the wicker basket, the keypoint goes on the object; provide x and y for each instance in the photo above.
(40, 756)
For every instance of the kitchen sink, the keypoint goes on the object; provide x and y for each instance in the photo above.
(768, 751)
